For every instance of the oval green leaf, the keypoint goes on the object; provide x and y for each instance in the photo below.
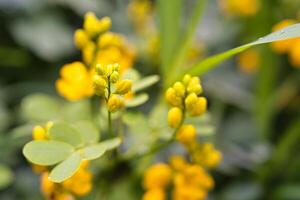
(47, 152)
(137, 100)
(88, 132)
(65, 133)
(145, 82)
(95, 151)
(65, 169)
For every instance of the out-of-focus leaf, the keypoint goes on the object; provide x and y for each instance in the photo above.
(40, 107)
(287, 192)
(169, 27)
(211, 62)
(76, 111)
(65, 169)
(6, 176)
(137, 100)
(131, 74)
(64, 132)
(13, 57)
(37, 34)
(145, 82)
(88, 132)
(47, 152)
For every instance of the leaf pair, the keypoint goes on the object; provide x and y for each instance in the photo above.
(67, 147)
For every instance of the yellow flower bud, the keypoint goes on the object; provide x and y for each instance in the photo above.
(190, 101)
(186, 134)
(88, 52)
(123, 86)
(100, 69)
(174, 117)
(109, 39)
(114, 77)
(81, 38)
(199, 107)
(194, 86)
(172, 99)
(186, 79)
(105, 24)
(100, 84)
(91, 24)
(114, 103)
(179, 89)
(39, 133)
(116, 67)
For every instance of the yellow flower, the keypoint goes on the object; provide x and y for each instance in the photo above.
(88, 53)
(47, 186)
(81, 38)
(285, 45)
(174, 117)
(172, 98)
(75, 82)
(110, 39)
(63, 196)
(194, 86)
(123, 86)
(114, 103)
(140, 13)
(81, 182)
(93, 26)
(186, 134)
(179, 89)
(198, 107)
(154, 194)
(206, 155)
(249, 61)
(178, 163)
(240, 8)
(157, 176)
(294, 54)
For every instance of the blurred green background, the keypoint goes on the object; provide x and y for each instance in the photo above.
(256, 117)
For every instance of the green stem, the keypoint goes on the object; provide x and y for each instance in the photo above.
(110, 131)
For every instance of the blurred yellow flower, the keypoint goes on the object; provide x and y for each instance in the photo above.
(240, 7)
(186, 134)
(157, 176)
(294, 54)
(249, 61)
(285, 45)
(154, 194)
(174, 117)
(75, 82)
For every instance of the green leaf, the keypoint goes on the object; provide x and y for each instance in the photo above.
(211, 62)
(145, 82)
(88, 132)
(65, 169)
(47, 152)
(137, 100)
(65, 133)
(40, 107)
(6, 176)
(96, 150)
(169, 27)
(76, 111)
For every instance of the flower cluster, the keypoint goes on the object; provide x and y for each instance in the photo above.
(189, 181)
(183, 97)
(107, 77)
(240, 8)
(290, 46)
(79, 184)
(98, 46)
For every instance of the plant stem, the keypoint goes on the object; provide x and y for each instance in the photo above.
(110, 131)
